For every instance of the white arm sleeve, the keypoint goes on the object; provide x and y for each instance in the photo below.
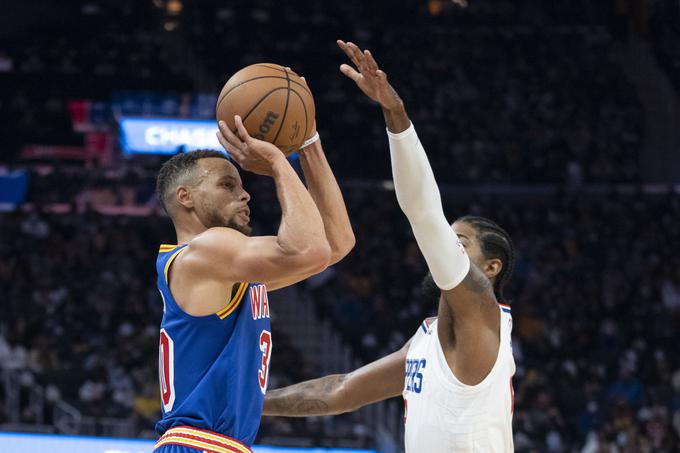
(419, 198)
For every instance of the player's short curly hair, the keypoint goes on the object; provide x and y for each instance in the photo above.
(176, 170)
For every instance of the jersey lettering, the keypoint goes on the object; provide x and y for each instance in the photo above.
(166, 370)
(259, 302)
(414, 376)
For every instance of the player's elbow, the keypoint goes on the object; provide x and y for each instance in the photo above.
(345, 397)
(342, 248)
(312, 259)
(318, 256)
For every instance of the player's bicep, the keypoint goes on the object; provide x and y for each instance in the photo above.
(376, 381)
(229, 256)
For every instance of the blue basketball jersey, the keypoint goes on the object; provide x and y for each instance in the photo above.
(213, 369)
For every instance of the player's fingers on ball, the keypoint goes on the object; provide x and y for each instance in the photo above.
(241, 131)
(236, 155)
(228, 135)
(228, 143)
(223, 141)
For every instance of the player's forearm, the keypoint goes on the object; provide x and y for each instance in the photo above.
(301, 229)
(418, 196)
(316, 397)
(325, 192)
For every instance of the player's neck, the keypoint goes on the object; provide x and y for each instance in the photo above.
(186, 232)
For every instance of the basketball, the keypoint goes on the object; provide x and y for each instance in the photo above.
(274, 103)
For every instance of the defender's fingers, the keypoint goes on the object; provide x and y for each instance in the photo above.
(358, 55)
(350, 72)
(348, 51)
(370, 61)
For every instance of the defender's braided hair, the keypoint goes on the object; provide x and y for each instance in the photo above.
(496, 243)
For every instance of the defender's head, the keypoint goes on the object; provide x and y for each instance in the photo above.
(489, 247)
(203, 188)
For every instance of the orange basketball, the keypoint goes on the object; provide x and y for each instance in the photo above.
(274, 103)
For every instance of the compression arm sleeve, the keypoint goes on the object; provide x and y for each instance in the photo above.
(419, 198)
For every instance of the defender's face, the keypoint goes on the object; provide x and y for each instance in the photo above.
(468, 237)
(220, 199)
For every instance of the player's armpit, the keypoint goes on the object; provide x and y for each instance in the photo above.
(228, 256)
(340, 393)
(476, 327)
(473, 292)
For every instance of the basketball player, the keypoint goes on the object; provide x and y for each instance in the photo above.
(455, 373)
(215, 339)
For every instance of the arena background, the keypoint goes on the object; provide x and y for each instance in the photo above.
(560, 120)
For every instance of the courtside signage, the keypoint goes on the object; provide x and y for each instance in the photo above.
(166, 135)
(41, 443)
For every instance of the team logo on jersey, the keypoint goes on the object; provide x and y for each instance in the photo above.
(259, 302)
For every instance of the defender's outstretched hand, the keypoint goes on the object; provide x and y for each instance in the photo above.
(369, 77)
(251, 154)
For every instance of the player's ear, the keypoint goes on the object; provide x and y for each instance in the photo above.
(492, 267)
(183, 197)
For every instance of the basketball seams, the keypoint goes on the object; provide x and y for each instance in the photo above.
(304, 107)
(285, 110)
(221, 98)
(266, 81)
(257, 104)
(274, 67)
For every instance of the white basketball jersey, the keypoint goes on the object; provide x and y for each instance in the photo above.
(444, 415)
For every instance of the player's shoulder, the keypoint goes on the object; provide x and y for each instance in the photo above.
(199, 256)
(212, 236)
(213, 241)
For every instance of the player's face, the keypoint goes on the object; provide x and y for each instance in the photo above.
(219, 197)
(468, 237)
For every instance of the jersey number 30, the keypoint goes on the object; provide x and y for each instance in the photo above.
(166, 366)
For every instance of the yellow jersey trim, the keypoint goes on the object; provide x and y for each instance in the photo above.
(234, 302)
(168, 263)
(167, 247)
(202, 439)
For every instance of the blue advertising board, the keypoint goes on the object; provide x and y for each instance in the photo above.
(167, 136)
